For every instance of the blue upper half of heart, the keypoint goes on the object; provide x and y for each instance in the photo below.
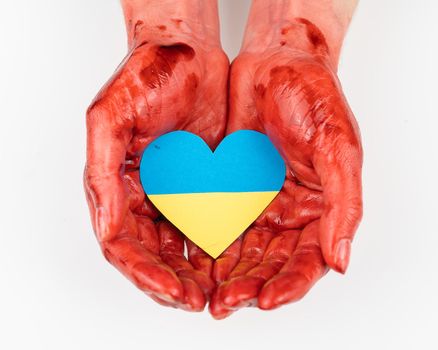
(181, 162)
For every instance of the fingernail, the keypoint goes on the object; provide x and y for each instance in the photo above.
(101, 224)
(342, 257)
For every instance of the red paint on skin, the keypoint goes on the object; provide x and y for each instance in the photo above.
(282, 74)
(306, 35)
(137, 26)
(191, 84)
(296, 81)
(294, 208)
(314, 35)
(177, 21)
(260, 90)
(166, 58)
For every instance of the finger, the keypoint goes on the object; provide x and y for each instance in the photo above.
(143, 268)
(339, 167)
(138, 202)
(172, 247)
(194, 298)
(239, 292)
(107, 140)
(203, 281)
(136, 195)
(199, 259)
(172, 253)
(279, 251)
(231, 292)
(147, 209)
(254, 244)
(298, 275)
(242, 291)
(226, 262)
(147, 234)
(216, 309)
(294, 207)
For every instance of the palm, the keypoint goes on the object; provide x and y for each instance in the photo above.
(295, 99)
(160, 87)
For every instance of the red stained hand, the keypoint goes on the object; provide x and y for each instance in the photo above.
(163, 85)
(293, 95)
(285, 88)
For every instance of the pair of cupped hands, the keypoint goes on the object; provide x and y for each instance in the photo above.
(287, 90)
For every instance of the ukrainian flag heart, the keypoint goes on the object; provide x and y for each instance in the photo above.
(212, 197)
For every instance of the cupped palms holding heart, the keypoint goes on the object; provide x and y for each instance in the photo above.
(212, 197)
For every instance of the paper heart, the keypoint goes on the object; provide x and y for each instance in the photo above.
(212, 197)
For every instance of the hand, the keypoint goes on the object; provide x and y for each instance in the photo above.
(174, 78)
(288, 89)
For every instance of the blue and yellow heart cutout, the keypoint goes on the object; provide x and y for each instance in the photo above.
(212, 197)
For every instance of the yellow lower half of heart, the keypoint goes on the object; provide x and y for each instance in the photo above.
(213, 220)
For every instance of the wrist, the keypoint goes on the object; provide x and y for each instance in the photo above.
(194, 20)
(306, 25)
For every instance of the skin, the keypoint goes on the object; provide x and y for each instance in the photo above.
(173, 78)
(284, 84)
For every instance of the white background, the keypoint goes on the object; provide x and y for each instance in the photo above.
(58, 292)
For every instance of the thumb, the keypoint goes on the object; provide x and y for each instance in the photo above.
(338, 163)
(107, 140)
